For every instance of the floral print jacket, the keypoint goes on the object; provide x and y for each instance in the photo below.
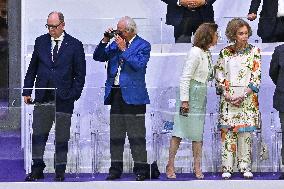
(236, 71)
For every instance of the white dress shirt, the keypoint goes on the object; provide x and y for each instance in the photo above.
(280, 8)
(53, 43)
(116, 79)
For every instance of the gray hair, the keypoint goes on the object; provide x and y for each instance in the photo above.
(60, 15)
(130, 24)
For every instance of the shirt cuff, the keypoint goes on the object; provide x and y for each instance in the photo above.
(178, 3)
(253, 88)
(205, 2)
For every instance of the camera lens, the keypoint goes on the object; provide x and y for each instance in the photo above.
(110, 34)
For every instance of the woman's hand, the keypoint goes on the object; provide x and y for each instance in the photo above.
(185, 104)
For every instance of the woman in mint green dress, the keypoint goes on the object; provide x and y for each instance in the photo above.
(189, 123)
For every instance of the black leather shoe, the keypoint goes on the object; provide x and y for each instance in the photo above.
(281, 176)
(34, 176)
(140, 177)
(112, 176)
(59, 177)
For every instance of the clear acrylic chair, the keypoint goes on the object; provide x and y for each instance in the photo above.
(162, 116)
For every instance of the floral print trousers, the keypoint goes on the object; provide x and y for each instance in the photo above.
(233, 144)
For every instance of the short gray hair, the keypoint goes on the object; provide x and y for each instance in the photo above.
(60, 15)
(130, 24)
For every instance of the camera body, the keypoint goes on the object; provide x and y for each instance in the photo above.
(112, 34)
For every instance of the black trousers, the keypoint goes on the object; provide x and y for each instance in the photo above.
(43, 117)
(281, 116)
(130, 120)
(278, 32)
(189, 24)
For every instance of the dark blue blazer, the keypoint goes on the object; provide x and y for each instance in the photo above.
(175, 13)
(67, 73)
(268, 14)
(276, 73)
(132, 75)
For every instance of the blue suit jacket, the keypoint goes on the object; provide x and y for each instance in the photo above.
(276, 73)
(175, 13)
(267, 18)
(132, 75)
(67, 73)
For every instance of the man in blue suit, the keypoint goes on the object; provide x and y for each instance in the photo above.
(58, 61)
(187, 15)
(125, 91)
(271, 21)
(276, 73)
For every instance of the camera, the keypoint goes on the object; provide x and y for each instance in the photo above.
(112, 33)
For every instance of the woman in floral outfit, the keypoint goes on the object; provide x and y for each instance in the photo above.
(238, 76)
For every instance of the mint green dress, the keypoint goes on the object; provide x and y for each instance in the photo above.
(192, 127)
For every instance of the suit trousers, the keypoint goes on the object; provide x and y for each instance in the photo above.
(278, 32)
(189, 24)
(281, 116)
(43, 117)
(236, 143)
(132, 123)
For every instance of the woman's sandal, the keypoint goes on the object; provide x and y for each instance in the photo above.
(198, 175)
(170, 172)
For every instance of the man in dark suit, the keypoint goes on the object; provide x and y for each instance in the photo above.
(125, 91)
(58, 61)
(276, 73)
(271, 21)
(187, 15)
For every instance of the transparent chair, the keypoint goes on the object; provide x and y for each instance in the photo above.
(162, 116)
(276, 140)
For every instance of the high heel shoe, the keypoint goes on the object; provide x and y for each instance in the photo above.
(199, 175)
(170, 172)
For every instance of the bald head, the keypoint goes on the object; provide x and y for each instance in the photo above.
(55, 24)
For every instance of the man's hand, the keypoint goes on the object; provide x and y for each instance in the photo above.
(28, 99)
(106, 39)
(121, 43)
(251, 16)
(191, 4)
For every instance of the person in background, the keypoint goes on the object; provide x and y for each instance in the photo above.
(187, 15)
(271, 20)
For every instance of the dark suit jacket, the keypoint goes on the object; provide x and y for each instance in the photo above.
(132, 75)
(67, 74)
(268, 14)
(175, 13)
(276, 73)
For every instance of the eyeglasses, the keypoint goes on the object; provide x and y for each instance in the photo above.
(52, 26)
